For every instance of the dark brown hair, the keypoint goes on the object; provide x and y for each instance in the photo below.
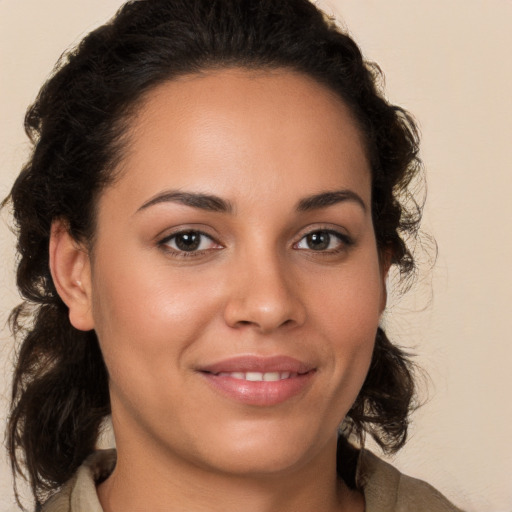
(60, 390)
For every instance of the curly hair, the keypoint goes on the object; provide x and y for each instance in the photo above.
(77, 126)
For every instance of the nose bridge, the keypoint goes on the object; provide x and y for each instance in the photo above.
(262, 292)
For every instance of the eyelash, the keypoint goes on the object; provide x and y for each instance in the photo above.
(344, 241)
(164, 244)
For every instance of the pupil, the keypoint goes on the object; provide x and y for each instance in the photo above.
(188, 241)
(319, 241)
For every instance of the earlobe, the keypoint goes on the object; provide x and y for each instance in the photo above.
(71, 273)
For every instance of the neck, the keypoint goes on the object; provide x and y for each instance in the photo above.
(146, 478)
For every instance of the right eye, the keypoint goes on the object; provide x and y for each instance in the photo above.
(190, 241)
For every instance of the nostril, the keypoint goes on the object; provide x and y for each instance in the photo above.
(248, 322)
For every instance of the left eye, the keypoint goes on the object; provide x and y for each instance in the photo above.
(322, 240)
(189, 241)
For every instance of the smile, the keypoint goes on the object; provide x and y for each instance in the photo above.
(259, 381)
(259, 376)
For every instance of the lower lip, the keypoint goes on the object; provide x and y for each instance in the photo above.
(261, 393)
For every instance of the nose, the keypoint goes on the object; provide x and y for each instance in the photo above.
(265, 295)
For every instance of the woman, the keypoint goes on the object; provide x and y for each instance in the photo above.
(206, 223)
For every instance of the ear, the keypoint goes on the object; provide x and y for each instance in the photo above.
(71, 272)
(385, 257)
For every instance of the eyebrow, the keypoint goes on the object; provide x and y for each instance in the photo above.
(325, 199)
(214, 203)
(206, 202)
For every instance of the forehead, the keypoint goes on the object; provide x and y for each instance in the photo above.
(226, 129)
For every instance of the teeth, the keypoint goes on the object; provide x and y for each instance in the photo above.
(254, 376)
(258, 376)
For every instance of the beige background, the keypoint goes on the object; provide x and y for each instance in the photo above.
(449, 62)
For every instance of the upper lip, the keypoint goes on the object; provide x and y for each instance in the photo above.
(263, 364)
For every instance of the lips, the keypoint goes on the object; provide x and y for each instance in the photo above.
(261, 381)
(259, 364)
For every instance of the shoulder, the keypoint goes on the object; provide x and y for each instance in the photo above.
(387, 490)
(79, 493)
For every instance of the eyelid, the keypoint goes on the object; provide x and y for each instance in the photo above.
(163, 242)
(345, 239)
(186, 227)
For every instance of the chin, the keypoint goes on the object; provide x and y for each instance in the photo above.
(265, 450)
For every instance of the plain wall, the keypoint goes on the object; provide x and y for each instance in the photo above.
(449, 63)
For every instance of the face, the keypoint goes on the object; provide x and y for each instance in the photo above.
(235, 281)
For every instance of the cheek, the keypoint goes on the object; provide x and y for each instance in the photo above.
(144, 317)
(348, 303)
(348, 311)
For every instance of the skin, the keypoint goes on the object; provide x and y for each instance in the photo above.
(262, 142)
